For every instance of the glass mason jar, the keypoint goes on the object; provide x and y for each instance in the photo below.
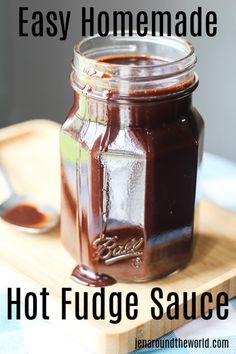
(130, 151)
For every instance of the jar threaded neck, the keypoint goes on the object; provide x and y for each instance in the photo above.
(172, 73)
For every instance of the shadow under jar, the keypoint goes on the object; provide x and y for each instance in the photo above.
(130, 151)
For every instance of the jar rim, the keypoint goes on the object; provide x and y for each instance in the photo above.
(188, 44)
(175, 72)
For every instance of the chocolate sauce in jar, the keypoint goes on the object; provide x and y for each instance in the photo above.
(129, 173)
(133, 60)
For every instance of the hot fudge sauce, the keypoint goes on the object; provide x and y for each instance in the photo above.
(25, 215)
(130, 151)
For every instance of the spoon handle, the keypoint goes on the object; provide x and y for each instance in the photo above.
(3, 173)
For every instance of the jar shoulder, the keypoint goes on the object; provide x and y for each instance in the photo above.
(184, 129)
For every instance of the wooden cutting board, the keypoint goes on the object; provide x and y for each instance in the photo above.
(30, 153)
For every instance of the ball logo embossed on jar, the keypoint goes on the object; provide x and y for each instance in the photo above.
(108, 248)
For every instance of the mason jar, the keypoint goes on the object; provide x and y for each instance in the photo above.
(131, 148)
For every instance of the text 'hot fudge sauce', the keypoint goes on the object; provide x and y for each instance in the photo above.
(129, 170)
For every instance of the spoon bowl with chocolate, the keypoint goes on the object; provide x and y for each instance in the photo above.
(26, 213)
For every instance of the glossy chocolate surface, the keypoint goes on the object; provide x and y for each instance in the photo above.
(24, 215)
(128, 184)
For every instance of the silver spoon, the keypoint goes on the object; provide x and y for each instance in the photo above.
(14, 210)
